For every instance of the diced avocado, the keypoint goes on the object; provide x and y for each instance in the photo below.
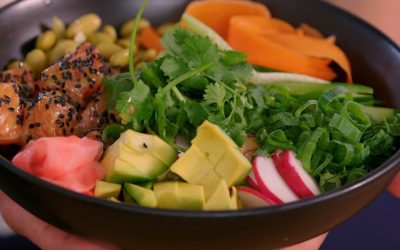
(166, 194)
(192, 166)
(145, 163)
(210, 183)
(127, 197)
(137, 157)
(142, 196)
(220, 199)
(190, 196)
(213, 156)
(179, 195)
(147, 184)
(149, 144)
(234, 199)
(213, 141)
(114, 200)
(233, 166)
(124, 172)
(106, 190)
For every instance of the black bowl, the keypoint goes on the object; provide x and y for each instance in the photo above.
(375, 60)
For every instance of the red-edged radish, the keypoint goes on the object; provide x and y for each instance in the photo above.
(251, 179)
(270, 182)
(293, 173)
(251, 198)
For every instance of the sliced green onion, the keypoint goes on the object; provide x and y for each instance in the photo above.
(278, 140)
(353, 111)
(327, 160)
(361, 152)
(283, 119)
(346, 128)
(330, 98)
(343, 153)
(307, 150)
(305, 106)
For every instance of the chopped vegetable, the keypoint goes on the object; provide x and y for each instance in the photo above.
(150, 39)
(216, 13)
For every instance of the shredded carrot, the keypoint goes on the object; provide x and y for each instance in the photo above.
(244, 36)
(312, 46)
(217, 13)
(150, 39)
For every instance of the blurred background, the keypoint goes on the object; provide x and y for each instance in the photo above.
(377, 226)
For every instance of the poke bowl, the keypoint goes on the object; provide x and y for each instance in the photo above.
(374, 60)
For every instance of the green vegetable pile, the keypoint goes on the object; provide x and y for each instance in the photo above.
(335, 132)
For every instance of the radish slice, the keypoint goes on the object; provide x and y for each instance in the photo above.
(251, 179)
(293, 173)
(251, 198)
(270, 182)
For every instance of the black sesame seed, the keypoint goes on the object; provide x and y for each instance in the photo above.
(30, 137)
(7, 99)
(32, 125)
(11, 109)
(66, 75)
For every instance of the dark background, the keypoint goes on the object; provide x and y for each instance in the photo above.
(377, 227)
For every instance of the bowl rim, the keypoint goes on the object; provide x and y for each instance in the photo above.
(389, 165)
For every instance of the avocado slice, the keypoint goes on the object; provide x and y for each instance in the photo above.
(106, 190)
(213, 156)
(213, 141)
(149, 144)
(142, 196)
(179, 195)
(193, 166)
(233, 166)
(220, 199)
(137, 157)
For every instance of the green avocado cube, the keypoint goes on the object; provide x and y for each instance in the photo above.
(142, 196)
(107, 190)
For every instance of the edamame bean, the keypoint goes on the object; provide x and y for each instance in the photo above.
(61, 48)
(99, 37)
(58, 27)
(108, 49)
(46, 40)
(37, 60)
(124, 42)
(14, 64)
(148, 55)
(111, 32)
(120, 59)
(88, 24)
(164, 27)
(126, 28)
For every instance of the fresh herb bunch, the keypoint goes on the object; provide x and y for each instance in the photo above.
(328, 126)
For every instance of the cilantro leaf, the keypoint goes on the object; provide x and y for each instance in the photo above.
(173, 67)
(215, 94)
(196, 113)
(113, 87)
(136, 105)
